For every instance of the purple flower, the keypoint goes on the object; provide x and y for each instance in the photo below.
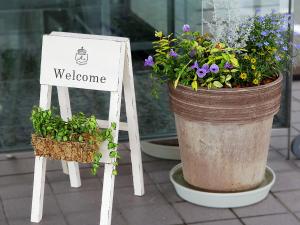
(214, 68)
(149, 61)
(266, 43)
(264, 33)
(173, 53)
(297, 46)
(186, 28)
(284, 48)
(257, 10)
(261, 19)
(228, 66)
(274, 11)
(201, 72)
(274, 22)
(195, 65)
(192, 53)
(259, 45)
(205, 67)
(277, 58)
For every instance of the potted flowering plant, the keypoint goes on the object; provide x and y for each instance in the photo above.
(224, 90)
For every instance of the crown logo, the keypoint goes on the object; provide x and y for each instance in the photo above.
(81, 56)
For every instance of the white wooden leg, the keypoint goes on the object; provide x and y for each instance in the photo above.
(38, 189)
(74, 174)
(64, 166)
(107, 195)
(133, 129)
(71, 168)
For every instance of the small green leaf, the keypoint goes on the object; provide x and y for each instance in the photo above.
(217, 84)
(195, 85)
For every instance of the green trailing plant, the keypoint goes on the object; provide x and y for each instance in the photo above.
(79, 128)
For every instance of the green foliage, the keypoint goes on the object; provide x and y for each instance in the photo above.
(79, 128)
(198, 61)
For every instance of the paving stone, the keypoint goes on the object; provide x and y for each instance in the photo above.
(281, 165)
(125, 197)
(47, 220)
(18, 186)
(283, 219)
(148, 158)
(79, 201)
(93, 217)
(268, 206)
(274, 155)
(192, 213)
(86, 185)
(127, 181)
(295, 117)
(160, 176)
(17, 155)
(151, 215)
(296, 94)
(291, 199)
(287, 181)
(169, 192)
(159, 165)
(221, 222)
(125, 156)
(295, 105)
(3, 222)
(21, 208)
(58, 175)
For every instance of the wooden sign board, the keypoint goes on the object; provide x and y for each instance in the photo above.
(89, 62)
(81, 63)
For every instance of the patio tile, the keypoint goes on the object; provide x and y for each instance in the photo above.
(18, 186)
(295, 105)
(295, 86)
(281, 165)
(268, 206)
(148, 158)
(126, 180)
(93, 217)
(20, 208)
(274, 155)
(79, 201)
(86, 185)
(151, 215)
(221, 222)
(286, 219)
(192, 213)
(3, 222)
(291, 199)
(125, 197)
(58, 175)
(125, 156)
(160, 176)
(159, 165)
(169, 192)
(47, 220)
(287, 181)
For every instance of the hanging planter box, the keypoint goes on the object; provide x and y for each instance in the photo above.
(68, 151)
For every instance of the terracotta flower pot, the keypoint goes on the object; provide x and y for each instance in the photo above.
(224, 134)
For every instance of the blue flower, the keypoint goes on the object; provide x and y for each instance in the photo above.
(201, 72)
(297, 46)
(186, 28)
(266, 43)
(261, 19)
(264, 33)
(149, 61)
(228, 65)
(214, 68)
(205, 67)
(192, 53)
(277, 58)
(173, 53)
(259, 45)
(284, 48)
(195, 65)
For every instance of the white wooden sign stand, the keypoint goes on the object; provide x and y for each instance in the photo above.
(121, 47)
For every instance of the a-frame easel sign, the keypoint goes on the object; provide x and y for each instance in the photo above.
(98, 63)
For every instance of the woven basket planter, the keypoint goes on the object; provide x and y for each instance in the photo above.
(69, 151)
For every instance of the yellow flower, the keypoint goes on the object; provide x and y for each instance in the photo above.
(253, 60)
(255, 81)
(246, 57)
(253, 67)
(243, 76)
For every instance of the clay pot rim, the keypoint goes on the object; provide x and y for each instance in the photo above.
(231, 90)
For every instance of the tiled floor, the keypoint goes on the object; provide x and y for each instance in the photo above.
(160, 205)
